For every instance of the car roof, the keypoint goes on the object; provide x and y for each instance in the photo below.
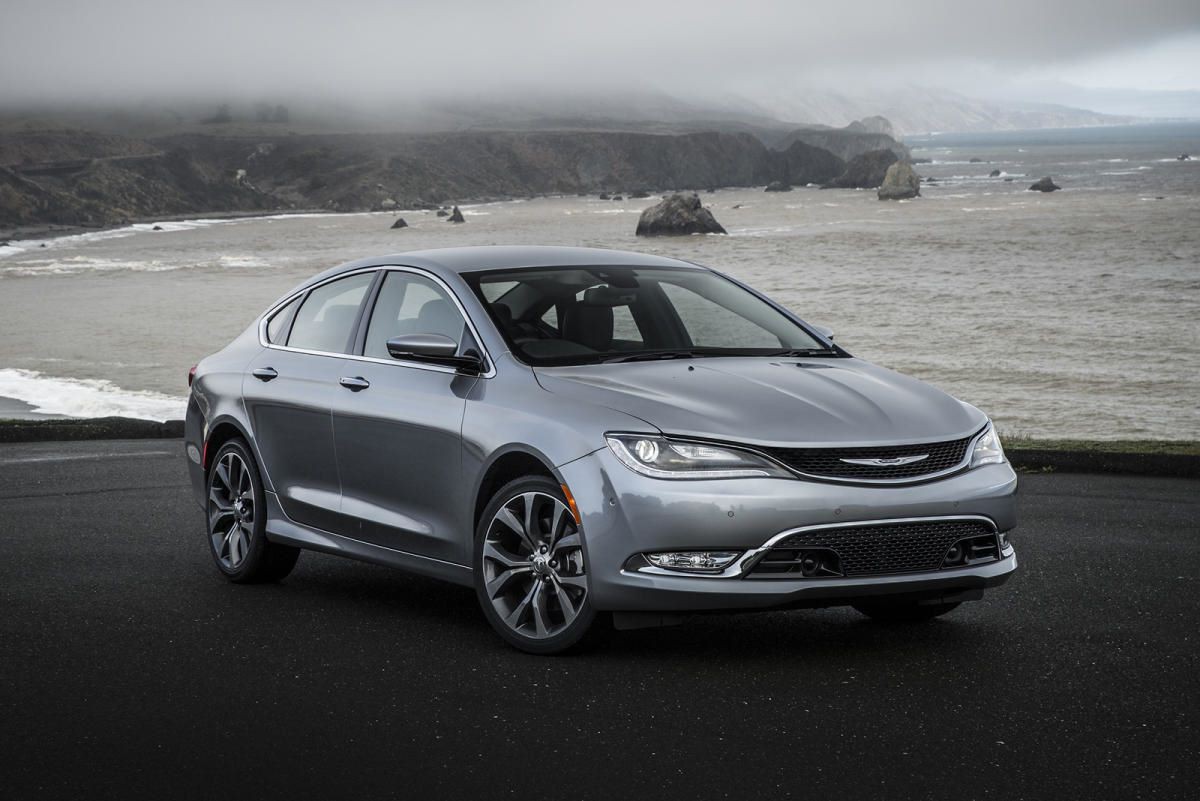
(508, 257)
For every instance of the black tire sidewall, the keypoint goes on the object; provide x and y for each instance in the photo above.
(251, 566)
(565, 639)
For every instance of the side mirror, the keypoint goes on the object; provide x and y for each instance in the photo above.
(434, 349)
(823, 331)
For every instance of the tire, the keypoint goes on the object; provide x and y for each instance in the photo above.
(532, 584)
(903, 611)
(237, 520)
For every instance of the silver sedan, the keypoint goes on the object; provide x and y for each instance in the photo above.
(576, 432)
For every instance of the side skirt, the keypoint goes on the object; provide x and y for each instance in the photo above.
(283, 530)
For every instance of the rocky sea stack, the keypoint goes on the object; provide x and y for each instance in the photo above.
(864, 171)
(900, 183)
(1045, 185)
(399, 223)
(456, 216)
(677, 215)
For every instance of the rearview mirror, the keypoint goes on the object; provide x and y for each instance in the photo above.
(609, 296)
(434, 349)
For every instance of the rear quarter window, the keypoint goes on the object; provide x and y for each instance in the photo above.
(281, 321)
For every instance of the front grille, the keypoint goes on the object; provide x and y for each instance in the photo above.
(875, 549)
(827, 462)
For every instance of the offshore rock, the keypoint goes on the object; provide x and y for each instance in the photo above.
(1045, 185)
(900, 183)
(677, 215)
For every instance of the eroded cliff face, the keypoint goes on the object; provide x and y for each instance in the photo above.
(846, 143)
(103, 181)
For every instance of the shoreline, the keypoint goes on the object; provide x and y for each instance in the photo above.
(50, 231)
(1165, 458)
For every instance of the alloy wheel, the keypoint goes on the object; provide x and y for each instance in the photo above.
(533, 567)
(230, 510)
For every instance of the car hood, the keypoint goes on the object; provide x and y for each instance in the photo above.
(781, 402)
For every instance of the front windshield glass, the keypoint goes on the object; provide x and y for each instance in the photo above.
(588, 315)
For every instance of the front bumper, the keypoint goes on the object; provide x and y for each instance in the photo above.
(624, 514)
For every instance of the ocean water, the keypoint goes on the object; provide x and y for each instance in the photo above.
(1072, 314)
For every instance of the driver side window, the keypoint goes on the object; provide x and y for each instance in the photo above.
(410, 304)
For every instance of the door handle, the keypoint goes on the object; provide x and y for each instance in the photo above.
(264, 373)
(354, 383)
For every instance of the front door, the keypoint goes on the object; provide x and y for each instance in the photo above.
(398, 427)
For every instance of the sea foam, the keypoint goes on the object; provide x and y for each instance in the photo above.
(74, 397)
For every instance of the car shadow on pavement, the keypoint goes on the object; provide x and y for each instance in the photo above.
(437, 612)
(812, 636)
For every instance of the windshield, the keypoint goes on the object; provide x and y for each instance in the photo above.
(588, 315)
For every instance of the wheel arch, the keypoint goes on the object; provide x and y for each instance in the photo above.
(507, 465)
(222, 430)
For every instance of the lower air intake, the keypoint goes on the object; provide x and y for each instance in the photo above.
(881, 548)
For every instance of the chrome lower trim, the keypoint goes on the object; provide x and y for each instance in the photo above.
(745, 563)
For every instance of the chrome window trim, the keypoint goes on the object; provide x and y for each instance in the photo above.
(744, 564)
(437, 368)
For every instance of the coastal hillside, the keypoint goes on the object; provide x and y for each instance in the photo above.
(79, 178)
(845, 143)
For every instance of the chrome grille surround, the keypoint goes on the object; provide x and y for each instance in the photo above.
(920, 462)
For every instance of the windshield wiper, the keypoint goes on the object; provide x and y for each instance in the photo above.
(677, 353)
(655, 355)
(693, 353)
(804, 352)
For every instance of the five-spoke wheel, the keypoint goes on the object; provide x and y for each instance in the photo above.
(531, 574)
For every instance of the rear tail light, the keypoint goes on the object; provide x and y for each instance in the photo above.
(192, 374)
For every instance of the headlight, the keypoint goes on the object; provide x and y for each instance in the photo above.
(659, 457)
(988, 449)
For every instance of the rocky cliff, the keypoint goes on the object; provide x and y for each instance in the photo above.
(196, 173)
(845, 143)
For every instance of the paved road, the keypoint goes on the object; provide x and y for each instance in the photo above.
(128, 668)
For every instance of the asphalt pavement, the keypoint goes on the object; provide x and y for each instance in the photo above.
(130, 669)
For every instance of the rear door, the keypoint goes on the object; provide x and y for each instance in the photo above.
(289, 392)
(398, 426)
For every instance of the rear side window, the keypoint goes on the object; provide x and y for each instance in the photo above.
(281, 320)
(327, 315)
(411, 304)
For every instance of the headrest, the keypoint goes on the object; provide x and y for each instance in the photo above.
(504, 316)
(591, 326)
(438, 316)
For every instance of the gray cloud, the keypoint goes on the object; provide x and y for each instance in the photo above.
(130, 49)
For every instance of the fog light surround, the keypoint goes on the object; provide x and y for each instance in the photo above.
(693, 561)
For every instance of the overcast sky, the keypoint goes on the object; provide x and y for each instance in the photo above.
(140, 49)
